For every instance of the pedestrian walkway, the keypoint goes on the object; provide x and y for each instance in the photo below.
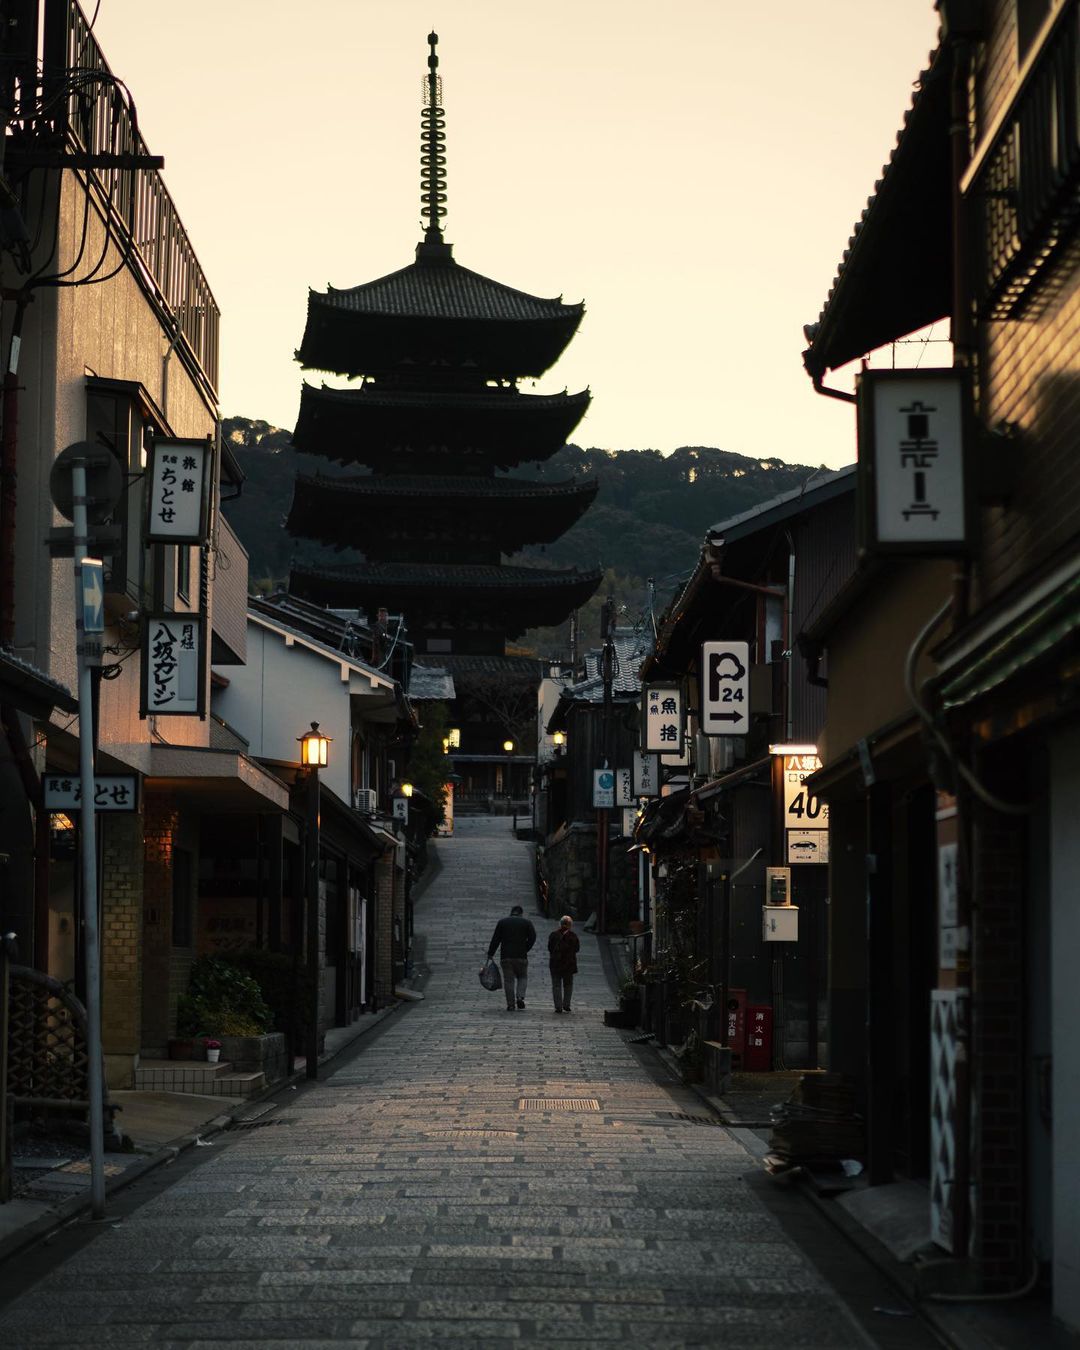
(469, 1177)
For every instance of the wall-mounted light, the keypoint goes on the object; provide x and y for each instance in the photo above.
(406, 789)
(792, 749)
(559, 739)
(314, 746)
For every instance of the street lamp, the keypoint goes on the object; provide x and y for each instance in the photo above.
(558, 740)
(454, 737)
(314, 748)
(406, 789)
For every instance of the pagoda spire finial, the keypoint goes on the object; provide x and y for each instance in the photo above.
(433, 150)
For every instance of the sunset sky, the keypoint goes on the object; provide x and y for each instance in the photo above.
(691, 170)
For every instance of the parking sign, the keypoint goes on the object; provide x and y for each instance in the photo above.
(725, 688)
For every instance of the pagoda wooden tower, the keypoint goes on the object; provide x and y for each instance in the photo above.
(432, 429)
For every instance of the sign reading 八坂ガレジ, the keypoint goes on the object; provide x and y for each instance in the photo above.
(911, 452)
(177, 500)
(603, 793)
(663, 718)
(646, 774)
(173, 665)
(112, 792)
(725, 688)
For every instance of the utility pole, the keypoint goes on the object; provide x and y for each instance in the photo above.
(607, 672)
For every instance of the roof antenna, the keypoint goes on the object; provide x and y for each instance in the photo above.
(433, 150)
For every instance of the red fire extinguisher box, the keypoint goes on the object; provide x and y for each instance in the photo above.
(758, 1038)
(736, 1024)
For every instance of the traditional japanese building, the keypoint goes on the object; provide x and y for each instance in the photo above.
(435, 423)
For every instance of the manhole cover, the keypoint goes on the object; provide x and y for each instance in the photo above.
(558, 1104)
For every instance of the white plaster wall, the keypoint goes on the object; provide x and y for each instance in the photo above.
(1065, 1014)
(275, 697)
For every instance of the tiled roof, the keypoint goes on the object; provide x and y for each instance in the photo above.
(443, 290)
(452, 575)
(493, 664)
(447, 485)
(40, 691)
(505, 400)
(429, 684)
(631, 650)
(817, 488)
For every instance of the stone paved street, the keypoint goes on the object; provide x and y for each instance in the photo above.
(415, 1198)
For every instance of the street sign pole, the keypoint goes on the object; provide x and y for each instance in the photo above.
(88, 834)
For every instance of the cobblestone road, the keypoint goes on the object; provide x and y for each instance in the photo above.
(415, 1198)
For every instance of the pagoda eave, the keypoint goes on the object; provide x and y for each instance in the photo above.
(375, 426)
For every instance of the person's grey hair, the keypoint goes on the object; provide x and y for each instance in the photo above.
(516, 909)
(566, 921)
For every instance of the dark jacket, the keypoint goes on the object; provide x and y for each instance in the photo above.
(563, 947)
(515, 934)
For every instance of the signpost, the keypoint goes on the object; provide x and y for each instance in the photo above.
(603, 796)
(725, 688)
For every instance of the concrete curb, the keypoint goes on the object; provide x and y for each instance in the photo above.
(67, 1211)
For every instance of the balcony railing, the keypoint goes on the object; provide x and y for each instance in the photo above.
(98, 121)
(1026, 183)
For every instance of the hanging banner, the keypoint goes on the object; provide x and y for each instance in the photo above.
(179, 493)
(646, 774)
(663, 717)
(174, 666)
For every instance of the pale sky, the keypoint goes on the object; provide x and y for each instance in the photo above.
(691, 169)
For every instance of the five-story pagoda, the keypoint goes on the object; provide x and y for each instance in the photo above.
(434, 425)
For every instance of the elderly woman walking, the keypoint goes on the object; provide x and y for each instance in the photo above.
(563, 947)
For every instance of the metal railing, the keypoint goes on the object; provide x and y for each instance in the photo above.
(1026, 184)
(99, 121)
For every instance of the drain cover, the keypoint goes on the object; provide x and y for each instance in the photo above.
(558, 1104)
(257, 1124)
(691, 1120)
(473, 1134)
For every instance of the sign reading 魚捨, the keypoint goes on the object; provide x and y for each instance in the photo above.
(912, 483)
(173, 666)
(177, 500)
(663, 718)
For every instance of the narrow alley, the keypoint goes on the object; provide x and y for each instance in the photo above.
(467, 1177)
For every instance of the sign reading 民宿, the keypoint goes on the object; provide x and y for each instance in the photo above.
(112, 792)
(646, 774)
(663, 718)
(177, 501)
(603, 792)
(725, 688)
(913, 495)
(173, 666)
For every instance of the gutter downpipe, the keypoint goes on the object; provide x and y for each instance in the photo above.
(821, 388)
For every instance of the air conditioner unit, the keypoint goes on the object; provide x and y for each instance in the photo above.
(366, 801)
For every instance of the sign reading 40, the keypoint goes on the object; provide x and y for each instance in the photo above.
(802, 810)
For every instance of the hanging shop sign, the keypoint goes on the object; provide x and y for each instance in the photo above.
(603, 791)
(624, 788)
(646, 774)
(806, 817)
(629, 820)
(179, 495)
(725, 688)
(663, 715)
(913, 488)
(174, 666)
(112, 792)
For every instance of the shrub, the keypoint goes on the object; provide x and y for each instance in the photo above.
(223, 1000)
(281, 983)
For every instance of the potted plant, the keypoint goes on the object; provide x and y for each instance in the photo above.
(213, 1050)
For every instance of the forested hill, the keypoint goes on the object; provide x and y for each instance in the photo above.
(648, 519)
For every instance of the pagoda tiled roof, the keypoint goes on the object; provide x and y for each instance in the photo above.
(453, 576)
(443, 291)
(439, 486)
(464, 664)
(379, 423)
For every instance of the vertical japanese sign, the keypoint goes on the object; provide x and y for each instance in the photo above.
(173, 666)
(624, 788)
(646, 774)
(806, 817)
(725, 688)
(663, 717)
(912, 482)
(179, 475)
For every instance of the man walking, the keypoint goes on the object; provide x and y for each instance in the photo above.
(563, 947)
(515, 935)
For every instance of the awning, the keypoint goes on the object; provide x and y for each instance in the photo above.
(1030, 639)
(896, 272)
(221, 781)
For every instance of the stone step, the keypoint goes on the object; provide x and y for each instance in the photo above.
(197, 1076)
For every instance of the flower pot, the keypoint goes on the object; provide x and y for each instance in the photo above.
(212, 1056)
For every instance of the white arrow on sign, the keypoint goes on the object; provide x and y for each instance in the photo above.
(725, 688)
(93, 595)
